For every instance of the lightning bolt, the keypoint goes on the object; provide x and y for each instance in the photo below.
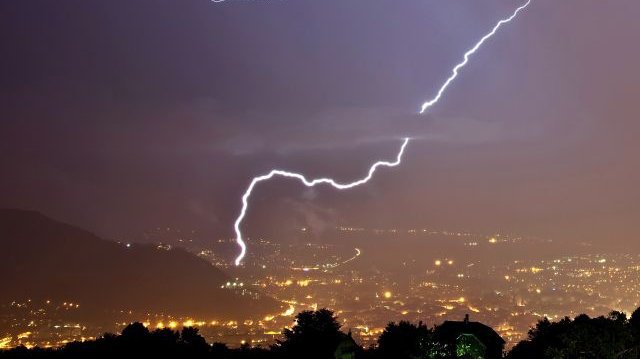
(306, 182)
(372, 169)
(467, 55)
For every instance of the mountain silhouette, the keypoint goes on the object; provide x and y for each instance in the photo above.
(42, 259)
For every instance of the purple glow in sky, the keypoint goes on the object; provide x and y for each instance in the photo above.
(123, 116)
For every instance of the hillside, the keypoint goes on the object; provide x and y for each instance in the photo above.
(42, 259)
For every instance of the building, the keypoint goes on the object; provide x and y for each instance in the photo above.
(346, 348)
(470, 340)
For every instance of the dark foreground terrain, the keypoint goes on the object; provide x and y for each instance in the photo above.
(317, 335)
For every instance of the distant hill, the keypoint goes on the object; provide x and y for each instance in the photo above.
(43, 259)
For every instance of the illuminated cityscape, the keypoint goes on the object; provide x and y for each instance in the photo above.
(509, 293)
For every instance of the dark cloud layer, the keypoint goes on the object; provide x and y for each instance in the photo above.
(121, 116)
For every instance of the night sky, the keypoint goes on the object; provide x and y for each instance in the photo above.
(121, 116)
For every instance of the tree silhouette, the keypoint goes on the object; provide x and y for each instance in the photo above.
(315, 335)
(407, 340)
(193, 343)
(163, 342)
(584, 337)
(634, 321)
(134, 339)
(134, 332)
(220, 350)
